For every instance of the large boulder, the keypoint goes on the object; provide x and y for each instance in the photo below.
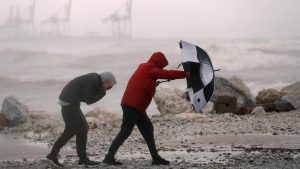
(102, 115)
(293, 94)
(3, 120)
(171, 101)
(283, 105)
(287, 89)
(40, 121)
(233, 87)
(209, 108)
(258, 111)
(14, 111)
(225, 104)
(268, 96)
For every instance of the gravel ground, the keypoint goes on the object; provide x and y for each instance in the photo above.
(176, 140)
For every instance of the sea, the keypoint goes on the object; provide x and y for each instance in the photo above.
(36, 69)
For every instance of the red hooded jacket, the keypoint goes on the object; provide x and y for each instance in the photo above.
(141, 86)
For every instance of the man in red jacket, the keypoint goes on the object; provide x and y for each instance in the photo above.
(136, 99)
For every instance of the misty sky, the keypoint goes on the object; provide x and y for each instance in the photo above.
(179, 18)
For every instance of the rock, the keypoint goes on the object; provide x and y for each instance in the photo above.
(38, 115)
(233, 87)
(278, 106)
(241, 85)
(171, 101)
(287, 89)
(258, 111)
(102, 114)
(190, 116)
(225, 104)
(3, 120)
(14, 111)
(268, 96)
(283, 106)
(244, 110)
(293, 94)
(209, 108)
(41, 126)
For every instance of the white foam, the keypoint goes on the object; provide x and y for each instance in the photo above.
(260, 63)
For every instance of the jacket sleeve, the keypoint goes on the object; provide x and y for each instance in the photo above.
(92, 90)
(96, 96)
(166, 74)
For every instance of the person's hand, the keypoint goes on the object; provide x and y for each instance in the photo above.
(187, 74)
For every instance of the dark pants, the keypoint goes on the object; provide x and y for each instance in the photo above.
(75, 124)
(132, 117)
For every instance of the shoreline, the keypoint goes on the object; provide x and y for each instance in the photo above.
(217, 141)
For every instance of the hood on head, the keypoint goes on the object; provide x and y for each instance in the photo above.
(158, 59)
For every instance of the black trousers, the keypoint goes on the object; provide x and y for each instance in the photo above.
(75, 124)
(132, 117)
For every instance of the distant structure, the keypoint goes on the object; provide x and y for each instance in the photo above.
(59, 23)
(121, 23)
(18, 25)
(21, 21)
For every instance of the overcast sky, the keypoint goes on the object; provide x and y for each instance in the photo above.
(179, 18)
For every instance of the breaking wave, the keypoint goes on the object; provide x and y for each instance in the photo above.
(45, 66)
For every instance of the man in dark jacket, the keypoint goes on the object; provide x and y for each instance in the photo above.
(88, 88)
(137, 97)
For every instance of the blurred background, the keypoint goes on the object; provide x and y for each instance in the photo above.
(46, 43)
(152, 19)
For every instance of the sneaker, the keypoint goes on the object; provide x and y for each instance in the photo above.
(112, 161)
(87, 162)
(54, 161)
(160, 161)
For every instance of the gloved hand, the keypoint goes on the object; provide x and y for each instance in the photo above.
(187, 74)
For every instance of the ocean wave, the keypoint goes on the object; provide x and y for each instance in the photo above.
(38, 71)
(21, 53)
(293, 52)
(248, 55)
(16, 81)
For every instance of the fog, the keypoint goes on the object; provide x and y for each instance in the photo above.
(176, 18)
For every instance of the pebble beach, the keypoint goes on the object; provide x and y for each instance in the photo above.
(270, 140)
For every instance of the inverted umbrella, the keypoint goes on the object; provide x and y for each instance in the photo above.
(200, 84)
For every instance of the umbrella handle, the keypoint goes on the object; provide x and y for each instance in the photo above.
(159, 82)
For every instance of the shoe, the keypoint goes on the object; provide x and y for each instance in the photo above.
(112, 161)
(160, 161)
(87, 162)
(54, 161)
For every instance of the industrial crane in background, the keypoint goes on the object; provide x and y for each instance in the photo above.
(60, 22)
(121, 23)
(20, 22)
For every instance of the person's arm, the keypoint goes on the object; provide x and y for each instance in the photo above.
(93, 89)
(167, 74)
